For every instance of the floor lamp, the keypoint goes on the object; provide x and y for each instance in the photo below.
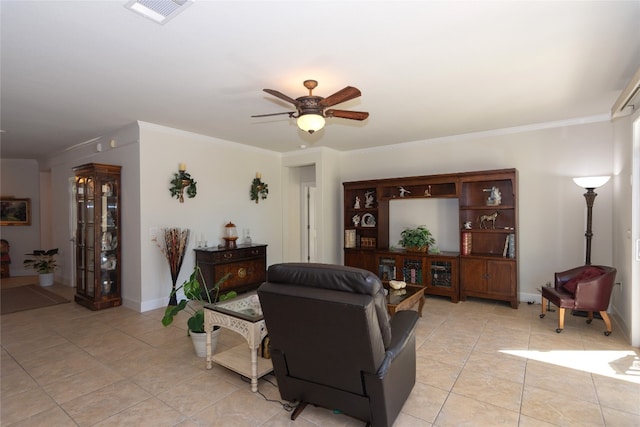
(590, 184)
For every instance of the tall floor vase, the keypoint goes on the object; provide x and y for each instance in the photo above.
(173, 245)
(173, 300)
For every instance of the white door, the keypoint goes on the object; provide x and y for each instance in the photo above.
(635, 233)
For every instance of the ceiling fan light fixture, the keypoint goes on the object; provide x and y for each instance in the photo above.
(310, 122)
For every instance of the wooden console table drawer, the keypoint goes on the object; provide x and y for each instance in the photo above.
(220, 256)
(247, 265)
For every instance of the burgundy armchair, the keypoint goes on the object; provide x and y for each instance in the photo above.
(586, 288)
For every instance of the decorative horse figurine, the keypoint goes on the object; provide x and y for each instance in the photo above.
(488, 218)
(403, 191)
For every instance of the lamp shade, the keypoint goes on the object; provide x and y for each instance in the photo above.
(310, 122)
(591, 181)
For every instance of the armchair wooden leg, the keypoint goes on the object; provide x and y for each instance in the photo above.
(298, 409)
(544, 307)
(607, 322)
(589, 317)
(560, 320)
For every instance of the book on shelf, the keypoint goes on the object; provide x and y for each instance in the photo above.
(506, 247)
(349, 238)
(509, 246)
(512, 245)
(466, 243)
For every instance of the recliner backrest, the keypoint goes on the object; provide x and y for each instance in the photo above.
(324, 322)
(338, 278)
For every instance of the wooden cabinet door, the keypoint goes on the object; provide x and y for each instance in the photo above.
(241, 274)
(389, 267)
(441, 275)
(501, 277)
(473, 275)
(361, 259)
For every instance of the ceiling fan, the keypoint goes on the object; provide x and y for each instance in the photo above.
(311, 110)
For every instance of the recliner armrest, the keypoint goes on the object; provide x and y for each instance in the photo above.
(403, 326)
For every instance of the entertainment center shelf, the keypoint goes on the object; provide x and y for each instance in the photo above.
(486, 266)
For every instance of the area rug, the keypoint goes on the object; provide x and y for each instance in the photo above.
(26, 298)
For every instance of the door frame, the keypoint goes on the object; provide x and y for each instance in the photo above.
(308, 222)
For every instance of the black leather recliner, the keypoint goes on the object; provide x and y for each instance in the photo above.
(333, 344)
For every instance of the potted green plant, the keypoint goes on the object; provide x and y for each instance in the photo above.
(196, 295)
(416, 239)
(44, 263)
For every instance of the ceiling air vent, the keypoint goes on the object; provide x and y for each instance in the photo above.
(160, 11)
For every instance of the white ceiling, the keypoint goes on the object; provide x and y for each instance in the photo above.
(75, 70)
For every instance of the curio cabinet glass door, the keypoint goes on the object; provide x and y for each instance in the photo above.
(98, 236)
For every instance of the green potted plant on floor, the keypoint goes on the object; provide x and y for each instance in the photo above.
(44, 263)
(196, 295)
(416, 239)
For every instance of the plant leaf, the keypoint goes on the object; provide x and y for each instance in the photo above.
(171, 312)
(196, 322)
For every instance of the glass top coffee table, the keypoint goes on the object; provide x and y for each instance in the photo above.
(405, 298)
(243, 315)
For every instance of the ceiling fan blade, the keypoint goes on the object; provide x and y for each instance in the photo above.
(344, 114)
(281, 96)
(342, 95)
(290, 113)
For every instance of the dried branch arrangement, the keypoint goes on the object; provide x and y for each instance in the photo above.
(173, 245)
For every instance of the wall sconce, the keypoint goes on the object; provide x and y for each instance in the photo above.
(259, 190)
(181, 181)
(590, 184)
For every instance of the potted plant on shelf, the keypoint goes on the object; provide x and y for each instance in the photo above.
(44, 263)
(416, 239)
(196, 295)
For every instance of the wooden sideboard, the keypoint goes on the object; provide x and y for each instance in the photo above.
(247, 265)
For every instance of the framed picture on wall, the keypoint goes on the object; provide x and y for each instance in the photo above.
(15, 211)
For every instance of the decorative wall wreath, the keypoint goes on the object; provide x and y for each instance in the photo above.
(259, 190)
(181, 181)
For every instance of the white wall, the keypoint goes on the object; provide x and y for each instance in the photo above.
(328, 203)
(552, 210)
(440, 215)
(223, 171)
(624, 296)
(149, 155)
(124, 153)
(20, 179)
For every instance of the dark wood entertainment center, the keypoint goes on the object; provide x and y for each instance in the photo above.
(487, 264)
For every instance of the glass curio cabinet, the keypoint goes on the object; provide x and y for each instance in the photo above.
(98, 229)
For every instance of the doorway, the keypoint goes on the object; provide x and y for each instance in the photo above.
(73, 224)
(635, 232)
(309, 230)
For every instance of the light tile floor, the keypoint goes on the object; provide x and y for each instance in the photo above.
(480, 363)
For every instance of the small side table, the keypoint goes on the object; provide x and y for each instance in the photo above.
(243, 315)
(398, 300)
